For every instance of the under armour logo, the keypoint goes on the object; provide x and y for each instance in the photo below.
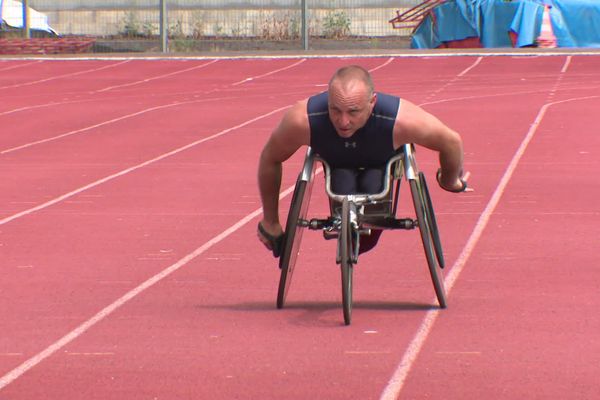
(350, 144)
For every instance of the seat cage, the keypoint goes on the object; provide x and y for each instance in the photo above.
(401, 164)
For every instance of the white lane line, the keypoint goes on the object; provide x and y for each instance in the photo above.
(566, 65)
(74, 334)
(24, 108)
(124, 116)
(396, 383)
(106, 311)
(156, 77)
(135, 167)
(268, 73)
(466, 70)
(382, 53)
(87, 128)
(451, 81)
(64, 76)
(586, 88)
(389, 60)
(20, 65)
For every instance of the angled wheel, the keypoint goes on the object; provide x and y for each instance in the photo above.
(293, 235)
(346, 248)
(426, 237)
(433, 227)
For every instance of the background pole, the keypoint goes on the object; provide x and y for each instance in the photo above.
(305, 24)
(26, 23)
(164, 32)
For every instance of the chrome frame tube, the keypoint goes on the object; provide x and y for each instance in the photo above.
(406, 156)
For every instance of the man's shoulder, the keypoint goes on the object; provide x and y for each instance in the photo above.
(297, 115)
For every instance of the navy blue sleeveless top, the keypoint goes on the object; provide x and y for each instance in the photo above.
(369, 147)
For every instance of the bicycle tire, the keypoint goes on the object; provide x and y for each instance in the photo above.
(293, 237)
(431, 219)
(346, 253)
(436, 274)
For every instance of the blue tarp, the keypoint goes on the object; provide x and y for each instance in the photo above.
(576, 23)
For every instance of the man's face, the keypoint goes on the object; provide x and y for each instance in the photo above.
(350, 106)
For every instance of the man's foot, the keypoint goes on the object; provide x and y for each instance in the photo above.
(329, 235)
(368, 242)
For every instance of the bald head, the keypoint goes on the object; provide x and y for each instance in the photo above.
(350, 77)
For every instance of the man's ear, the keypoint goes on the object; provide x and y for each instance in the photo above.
(373, 100)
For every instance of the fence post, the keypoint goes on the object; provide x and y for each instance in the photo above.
(164, 32)
(26, 22)
(304, 24)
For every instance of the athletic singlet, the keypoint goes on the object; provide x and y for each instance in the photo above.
(369, 147)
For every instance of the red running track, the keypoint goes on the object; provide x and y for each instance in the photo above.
(130, 267)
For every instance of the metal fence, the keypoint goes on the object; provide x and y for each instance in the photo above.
(204, 25)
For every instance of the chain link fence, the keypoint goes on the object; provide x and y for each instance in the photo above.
(218, 25)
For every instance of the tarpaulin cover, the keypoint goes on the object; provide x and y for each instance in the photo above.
(576, 23)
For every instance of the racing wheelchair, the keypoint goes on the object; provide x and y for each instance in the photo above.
(355, 214)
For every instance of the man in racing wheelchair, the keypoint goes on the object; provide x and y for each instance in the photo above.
(356, 131)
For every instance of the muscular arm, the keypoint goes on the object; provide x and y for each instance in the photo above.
(292, 132)
(415, 125)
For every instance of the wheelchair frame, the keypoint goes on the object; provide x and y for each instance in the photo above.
(355, 214)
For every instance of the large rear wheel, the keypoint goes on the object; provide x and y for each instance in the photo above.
(293, 236)
(430, 214)
(425, 229)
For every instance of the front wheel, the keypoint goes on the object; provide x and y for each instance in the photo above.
(346, 248)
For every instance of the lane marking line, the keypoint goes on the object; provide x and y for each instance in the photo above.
(14, 374)
(74, 334)
(64, 76)
(124, 116)
(382, 65)
(135, 167)
(451, 81)
(20, 65)
(251, 78)
(87, 128)
(466, 70)
(522, 53)
(25, 108)
(566, 65)
(396, 383)
(155, 77)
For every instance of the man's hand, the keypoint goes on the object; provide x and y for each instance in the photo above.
(454, 185)
(271, 235)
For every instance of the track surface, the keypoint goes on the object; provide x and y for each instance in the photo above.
(130, 267)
